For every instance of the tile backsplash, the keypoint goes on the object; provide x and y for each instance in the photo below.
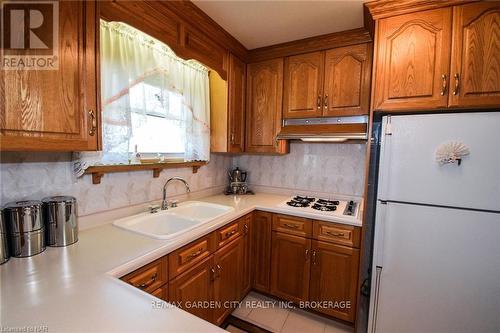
(36, 175)
(329, 168)
(317, 167)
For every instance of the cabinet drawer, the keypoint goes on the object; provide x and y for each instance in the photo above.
(161, 293)
(337, 233)
(150, 277)
(187, 256)
(293, 225)
(228, 233)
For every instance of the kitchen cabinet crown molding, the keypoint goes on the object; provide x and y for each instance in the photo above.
(386, 8)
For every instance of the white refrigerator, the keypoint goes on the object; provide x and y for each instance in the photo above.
(436, 254)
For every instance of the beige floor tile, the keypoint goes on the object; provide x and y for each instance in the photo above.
(234, 329)
(245, 306)
(271, 319)
(301, 321)
(334, 327)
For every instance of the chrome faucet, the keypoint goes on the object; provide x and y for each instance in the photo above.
(164, 202)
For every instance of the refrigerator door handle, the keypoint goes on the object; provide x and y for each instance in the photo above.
(378, 275)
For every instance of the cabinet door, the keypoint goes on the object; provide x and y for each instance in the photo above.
(261, 250)
(290, 267)
(55, 110)
(475, 60)
(303, 85)
(412, 62)
(347, 81)
(246, 279)
(236, 107)
(334, 276)
(228, 267)
(195, 285)
(264, 104)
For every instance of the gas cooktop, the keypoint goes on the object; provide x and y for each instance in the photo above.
(322, 206)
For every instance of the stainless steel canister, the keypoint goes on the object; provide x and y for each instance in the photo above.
(4, 245)
(61, 225)
(25, 227)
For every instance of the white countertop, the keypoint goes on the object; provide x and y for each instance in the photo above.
(76, 289)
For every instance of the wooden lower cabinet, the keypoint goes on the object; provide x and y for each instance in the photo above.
(261, 250)
(227, 282)
(195, 285)
(290, 267)
(334, 275)
(246, 279)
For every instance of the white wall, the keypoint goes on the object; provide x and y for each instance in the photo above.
(327, 168)
(317, 167)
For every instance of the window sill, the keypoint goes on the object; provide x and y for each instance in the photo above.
(98, 171)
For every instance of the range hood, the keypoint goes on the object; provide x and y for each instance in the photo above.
(332, 129)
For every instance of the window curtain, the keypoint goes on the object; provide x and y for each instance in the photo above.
(128, 58)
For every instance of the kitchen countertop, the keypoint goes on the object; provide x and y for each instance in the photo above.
(76, 289)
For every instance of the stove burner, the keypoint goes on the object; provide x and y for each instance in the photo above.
(294, 203)
(327, 202)
(324, 208)
(303, 199)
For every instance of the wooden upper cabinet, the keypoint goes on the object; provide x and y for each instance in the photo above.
(475, 61)
(347, 81)
(290, 267)
(55, 110)
(413, 60)
(334, 275)
(264, 106)
(236, 109)
(303, 85)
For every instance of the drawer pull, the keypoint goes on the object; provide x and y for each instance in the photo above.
(292, 226)
(307, 254)
(194, 254)
(147, 284)
(230, 233)
(336, 234)
(246, 228)
(314, 257)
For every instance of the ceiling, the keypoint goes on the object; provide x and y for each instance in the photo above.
(261, 23)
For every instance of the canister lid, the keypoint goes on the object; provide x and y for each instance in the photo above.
(23, 204)
(59, 199)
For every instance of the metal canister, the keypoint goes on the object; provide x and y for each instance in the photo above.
(61, 225)
(25, 227)
(4, 245)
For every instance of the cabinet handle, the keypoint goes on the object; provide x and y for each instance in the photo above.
(457, 83)
(194, 255)
(307, 254)
(336, 234)
(318, 102)
(232, 137)
(147, 284)
(219, 268)
(292, 226)
(445, 84)
(93, 122)
(246, 229)
(314, 257)
(230, 233)
(326, 102)
(212, 270)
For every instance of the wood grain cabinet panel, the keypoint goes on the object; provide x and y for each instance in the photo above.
(334, 275)
(246, 279)
(347, 81)
(261, 250)
(290, 267)
(303, 85)
(236, 100)
(475, 61)
(264, 107)
(55, 110)
(187, 256)
(294, 225)
(194, 285)
(227, 283)
(413, 61)
(150, 277)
